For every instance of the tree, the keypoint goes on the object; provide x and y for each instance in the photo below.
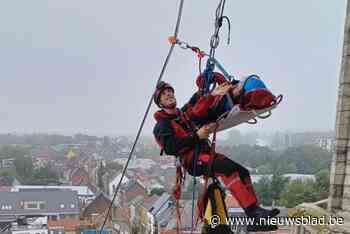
(252, 156)
(263, 190)
(8, 151)
(45, 173)
(277, 186)
(100, 173)
(307, 159)
(298, 192)
(322, 184)
(24, 168)
(157, 191)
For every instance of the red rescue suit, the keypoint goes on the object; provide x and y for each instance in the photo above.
(176, 134)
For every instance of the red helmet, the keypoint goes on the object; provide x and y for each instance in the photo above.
(161, 86)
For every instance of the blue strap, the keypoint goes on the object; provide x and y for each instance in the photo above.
(222, 69)
(208, 75)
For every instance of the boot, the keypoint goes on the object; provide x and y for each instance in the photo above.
(256, 211)
(261, 216)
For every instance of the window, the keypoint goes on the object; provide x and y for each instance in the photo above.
(42, 206)
(34, 205)
(6, 207)
(62, 206)
(72, 206)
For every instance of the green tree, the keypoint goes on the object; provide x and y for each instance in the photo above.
(277, 186)
(8, 151)
(270, 189)
(252, 156)
(157, 191)
(24, 168)
(263, 190)
(298, 192)
(322, 184)
(45, 173)
(307, 159)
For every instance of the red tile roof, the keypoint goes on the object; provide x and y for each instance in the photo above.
(5, 189)
(134, 191)
(67, 224)
(149, 201)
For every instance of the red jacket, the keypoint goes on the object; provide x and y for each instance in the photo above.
(176, 134)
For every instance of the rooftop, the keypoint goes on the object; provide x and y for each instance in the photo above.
(39, 202)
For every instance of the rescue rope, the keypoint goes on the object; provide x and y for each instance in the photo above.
(146, 113)
(195, 159)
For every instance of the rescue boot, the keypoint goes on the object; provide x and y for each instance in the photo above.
(256, 211)
(261, 216)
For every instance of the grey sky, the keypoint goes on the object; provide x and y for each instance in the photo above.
(91, 66)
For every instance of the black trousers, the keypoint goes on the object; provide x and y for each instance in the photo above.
(221, 165)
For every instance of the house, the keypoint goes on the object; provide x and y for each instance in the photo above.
(29, 230)
(84, 193)
(95, 213)
(78, 177)
(7, 163)
(113, 183)
(291, 177)
(33, 226)
(142, 163)
(139, 212)
(98, 206)
(43, 156)
(131, 191)
(55, 204)
(66, 226)
(302, 177)
(161, 213)
(8, 181)
(110, 181)
(41, 161)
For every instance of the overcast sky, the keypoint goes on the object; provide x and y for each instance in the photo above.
(91, 66)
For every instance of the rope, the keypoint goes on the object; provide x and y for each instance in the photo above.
(194, 161)
(146, 113)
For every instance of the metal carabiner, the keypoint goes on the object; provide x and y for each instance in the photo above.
(183, 45)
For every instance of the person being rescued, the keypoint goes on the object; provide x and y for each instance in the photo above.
(180, 131)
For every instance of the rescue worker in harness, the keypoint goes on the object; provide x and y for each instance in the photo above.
(179, 131)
